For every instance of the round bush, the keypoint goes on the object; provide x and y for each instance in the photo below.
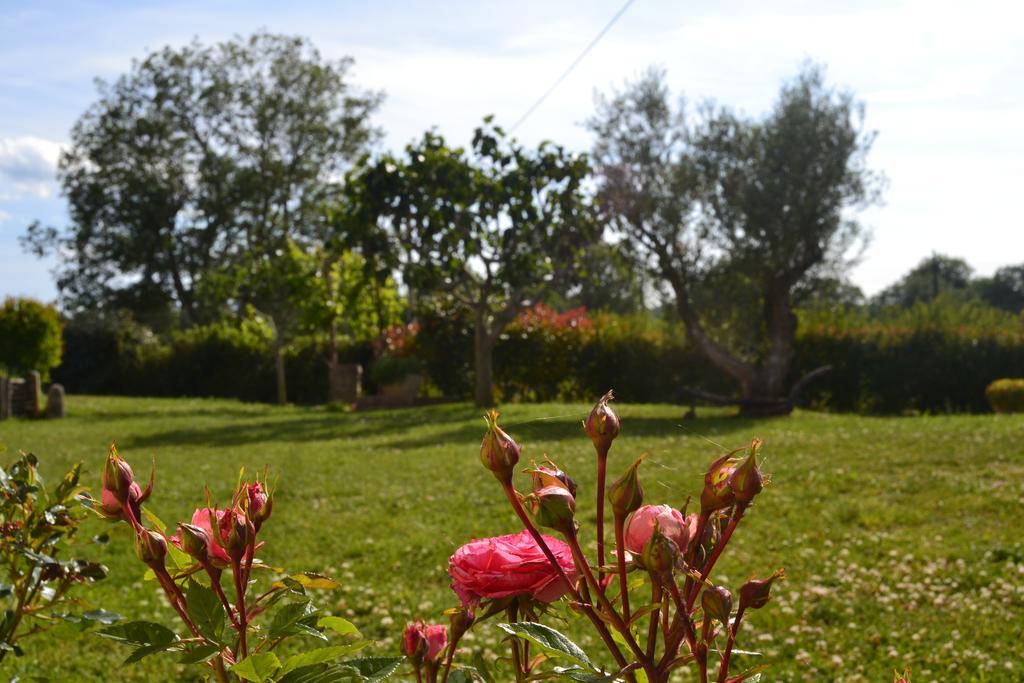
(1006, 395)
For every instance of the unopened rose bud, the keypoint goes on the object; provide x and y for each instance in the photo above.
(437, 639)
(746, 480)
(625, 493)
(756, 593)
(259, 504)
(717, 493)
(241, 536)
(195, 542)
(151, 547)
(904, 677)
(498, 452)
(552, 476)
(602, 425)
(555, 508)
(117, 476)
(717, 604)
(659, 555)
(414, 643)
(460, 620)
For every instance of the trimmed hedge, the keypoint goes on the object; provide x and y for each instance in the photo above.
(1006, 395)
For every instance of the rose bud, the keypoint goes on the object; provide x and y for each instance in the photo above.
(746, 480)
(756, 593)
(717, 493)
(669, 521)
(414, 643)
(117, 476)
(904, 677)
(552, 476)
(259, 504)
(437, 639)
(498, 452)
(555, 508)
(625, 493)
(602, 425)
(460, 620)
(659, 554)
(717, 604)
(194, 541)
(241, 536)
(151, 547)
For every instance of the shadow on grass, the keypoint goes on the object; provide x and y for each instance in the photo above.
(412, 429)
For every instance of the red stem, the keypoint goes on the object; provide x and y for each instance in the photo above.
(588, 609)
(723, 671)
(652, 631)
(620, 559)
(243, 626)
(602, 471)
(737, 515)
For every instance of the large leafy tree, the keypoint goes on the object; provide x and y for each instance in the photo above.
(758, 206)
(933, 276)
(197, 160)
(487, 230)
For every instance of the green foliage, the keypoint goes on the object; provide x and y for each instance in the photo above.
(36, 526)
(197, 160)
(932, 277)
(1006, 395)
(30, 337)
(392, 370)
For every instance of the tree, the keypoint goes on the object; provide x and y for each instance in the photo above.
(488, 230)
(30, 337)
(1005, 289)
(194, 161)
(760, 205)
(926, 281)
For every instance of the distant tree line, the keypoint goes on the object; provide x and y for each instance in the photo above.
(214, 183)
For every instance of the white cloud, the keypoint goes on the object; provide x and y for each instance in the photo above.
(28, 167)
(4, 216)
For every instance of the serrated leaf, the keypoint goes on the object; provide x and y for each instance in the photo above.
(199, 654)
(320, 655)
(139, 633)
(287, 616)
(550, 641)
(374, 669)
(342, 627)
(205, 610)
(258, 667)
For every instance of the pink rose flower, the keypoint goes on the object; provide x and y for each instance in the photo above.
(503, 566)
(437, 639)
(424, 641)
(202, 518)
(670, 522)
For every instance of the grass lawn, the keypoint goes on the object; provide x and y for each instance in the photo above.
(901, 537)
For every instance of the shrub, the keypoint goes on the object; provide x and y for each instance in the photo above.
(1006, 395)
(393, 369)
(30, 337)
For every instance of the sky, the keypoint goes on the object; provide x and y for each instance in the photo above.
(942, 84)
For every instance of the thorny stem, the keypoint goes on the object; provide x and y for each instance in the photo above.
(737, 515)
(620, 560)
(175, 597)
(214, 574)
(606, 605)
(588, 609)
(723, 671)
(652, 631)
(517, 655)
(602, 471)
(682, 623)
(236, 572)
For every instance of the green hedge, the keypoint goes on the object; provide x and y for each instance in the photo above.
(1006, 395)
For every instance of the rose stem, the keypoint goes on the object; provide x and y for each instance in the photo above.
(737, 515)
(723, 671)
(602, 471)
(517, 657)
(236, 572)
(599, 626)
(620, 559)
(652, 631)
(616, 620)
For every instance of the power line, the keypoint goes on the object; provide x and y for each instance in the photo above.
(572, 66)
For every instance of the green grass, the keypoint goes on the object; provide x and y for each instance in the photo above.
(901, 537)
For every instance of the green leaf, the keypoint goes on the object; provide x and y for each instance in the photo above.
(287, 616)
(312, 580)
(199, 654)
(66, 488)
(320, 655)
(145, 651)
(550, 641)
(205, 610)
(342, 627)
(180, 558)
(102, 616)
(139, 633)
(154, 520)
(374, 669)
(258, 667)
(575, 673)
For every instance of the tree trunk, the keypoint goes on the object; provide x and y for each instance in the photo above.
(483, 361)
(333, 386)
(282, 390)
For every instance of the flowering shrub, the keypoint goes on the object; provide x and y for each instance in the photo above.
(36, 525)
(689, 619)
(233, 633)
